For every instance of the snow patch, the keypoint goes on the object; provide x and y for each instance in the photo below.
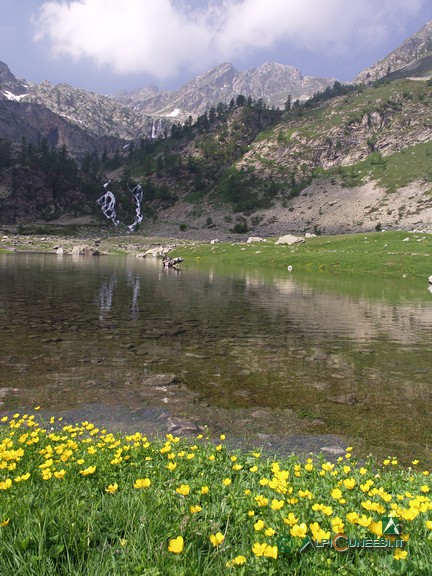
(11, 96)
(174, 113)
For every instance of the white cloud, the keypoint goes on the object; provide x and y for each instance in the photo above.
(161, 37)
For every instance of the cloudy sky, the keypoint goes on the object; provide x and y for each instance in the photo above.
(109, 45)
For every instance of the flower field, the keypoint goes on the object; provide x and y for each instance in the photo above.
(78, 500)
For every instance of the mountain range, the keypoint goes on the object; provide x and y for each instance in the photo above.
(226, 137)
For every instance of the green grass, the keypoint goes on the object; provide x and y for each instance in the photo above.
(392, 172)
(376, 253)
(77, 500)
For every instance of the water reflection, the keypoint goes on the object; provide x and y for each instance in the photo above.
(352, 355)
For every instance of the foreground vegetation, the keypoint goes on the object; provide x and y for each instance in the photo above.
(79, 500)
(379, 253)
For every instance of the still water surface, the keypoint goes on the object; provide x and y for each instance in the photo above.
(251, 351)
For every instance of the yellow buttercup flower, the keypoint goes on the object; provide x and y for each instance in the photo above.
(183, 490)
(176, 545)
(226, 481)
(299, 530)
(171, 466)
(217, 539)
(291, 519)
(258, 549)
(318, 533)
(269, 532)
(400, 554)
(349, 483)
(336, 493)
(205, 490)
(271, 552)
(111, 488)
(259, 525)
(237, 561)
(337, 525)
(142, 483)
(253, 469)
(277, 504)
(195, 509)
(88, 471)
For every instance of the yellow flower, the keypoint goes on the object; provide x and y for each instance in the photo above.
(226, 481)
(59, 474)
(237, 467)
(142, 483)
(171, 466)
(271, 552)
(4, 522)
(87, 471)
(211, 457)
(415, 462)
(424, 488)
(37, 407)
(327, 466)
(376, 528)
(349, 483)
(176, 545)
(269, 532)
(253, 468)
(222, 436)
(251, 513)
(352, 517)
(364, 520)
(247, 492)
(336, 493)
(400, 554)
(261, 500)
(277, 504)
(299, 530)
(237, 561)
(428, 524)
(318, 533)
(258, 549)
(259, 525)
(183, 490)
(291, 519)
(363, 471)
(204, 490)
(217, 539)
(111, 488)
(337, 525)
(195, 509)
(309, 467)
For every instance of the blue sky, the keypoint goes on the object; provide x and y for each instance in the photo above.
(109, 45)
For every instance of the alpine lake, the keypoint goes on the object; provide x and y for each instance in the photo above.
(302, 362)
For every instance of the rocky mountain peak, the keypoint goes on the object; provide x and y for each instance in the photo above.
(414, 49)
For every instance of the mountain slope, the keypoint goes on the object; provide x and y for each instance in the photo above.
(406, 56)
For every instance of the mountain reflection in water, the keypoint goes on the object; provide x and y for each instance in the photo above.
(317, 353)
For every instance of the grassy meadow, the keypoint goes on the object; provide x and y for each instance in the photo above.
(378, 253)
(78, 500)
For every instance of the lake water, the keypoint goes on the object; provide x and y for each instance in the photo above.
(252, 353)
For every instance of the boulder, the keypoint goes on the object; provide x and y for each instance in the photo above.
(157, 252)
(290, 239)
(255, 239)
(182, 427)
